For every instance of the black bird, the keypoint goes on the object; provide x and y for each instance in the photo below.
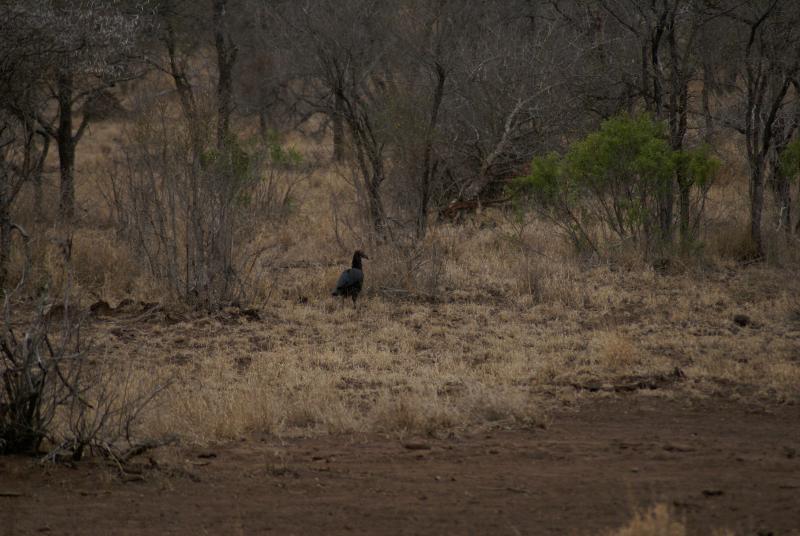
(349, 283)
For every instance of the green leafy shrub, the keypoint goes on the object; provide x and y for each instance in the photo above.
(610, 186)
(790, 159)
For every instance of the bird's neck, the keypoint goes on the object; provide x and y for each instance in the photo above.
(357, 262)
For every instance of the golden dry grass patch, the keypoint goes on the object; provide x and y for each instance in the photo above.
(490, 323)
(656, 521)
(410, 367)
(659, 520)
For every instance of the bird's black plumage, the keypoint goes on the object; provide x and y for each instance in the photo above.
(352, 279)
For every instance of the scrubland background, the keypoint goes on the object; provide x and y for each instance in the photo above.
(191, 179)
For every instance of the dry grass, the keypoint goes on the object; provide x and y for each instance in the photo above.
(492, 323)
(468, 361)
(658, 520)
(316, 368)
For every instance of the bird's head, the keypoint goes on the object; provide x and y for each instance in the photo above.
(357, 256)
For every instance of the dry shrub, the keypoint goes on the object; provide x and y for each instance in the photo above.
(781, 249)
(406, 268)
(297, 400)
(201, 413)
(549, 282)
(500, 403)
(727, 233)
(614, 352)
(102, 266)
(333, 389)
(117, 395)
(730, 240)
(270, 397)
(418, 368)
(752, 368)
(787, 307)
(541, 264)
(420, 411)
(656, 521)
(315, 282)
(54, 393)
(220, 405)
(783, 379)
(199, 216)
(427, 410)
(627, 256)
(478, 264)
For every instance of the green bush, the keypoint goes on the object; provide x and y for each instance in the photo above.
(790, 159)
(610, 186)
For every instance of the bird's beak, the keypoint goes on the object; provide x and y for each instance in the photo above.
(363, 256)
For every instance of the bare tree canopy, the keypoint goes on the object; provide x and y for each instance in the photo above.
(427, 108)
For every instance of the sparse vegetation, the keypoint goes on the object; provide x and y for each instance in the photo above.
(655, 522)
(562, 202)
(606, 191)
(55, 396)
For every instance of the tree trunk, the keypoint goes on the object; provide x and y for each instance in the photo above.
(369, 158)
(185, 92)
(429, 167)
(708, 119)
(376, 206)
(38, 180)
(781, 189)
(226, 58)
(685, 200)
(38, 198)
(797, 226)
(66, 146)
(667, 195)
(757, 206)
(424, 201)
(5, 229)
(678, 126)
(263, 125)
(338, 128)
(666, 206)
(219, 265)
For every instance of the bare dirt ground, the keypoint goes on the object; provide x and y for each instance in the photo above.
(718, 465)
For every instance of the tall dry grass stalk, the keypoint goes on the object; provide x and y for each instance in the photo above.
(657, 521)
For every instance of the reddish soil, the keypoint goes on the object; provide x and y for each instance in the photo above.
(718, 464)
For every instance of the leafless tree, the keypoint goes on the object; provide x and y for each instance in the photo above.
(188, 190)
(345, 47)
(227, 51)
(93, 47)
(510, 99)
(653, 51)
(49, 389)
(266, 73)
(765, 108)
(441, 100)
(786, 128)
(23, 147)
